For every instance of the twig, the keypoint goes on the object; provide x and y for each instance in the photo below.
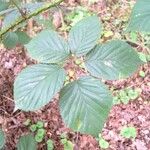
(8, 98)
(62, 20)
(35, 13)
(77, 139)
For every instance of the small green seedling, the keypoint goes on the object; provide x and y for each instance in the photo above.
(125, 100)
(142, 74)
(68, 145)
(133, 93)
(133, 36)
(38, 138)
(37, 128)
(50, 144)
(116, 100)
(77, 14)
(33, 127)
(41, 132)
(102, 142)
(40, 124)
(40, 135)
(128, 132)
(143, 57)
(63, 135)
(125, 95)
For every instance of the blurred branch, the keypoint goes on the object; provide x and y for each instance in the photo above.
(27, 17)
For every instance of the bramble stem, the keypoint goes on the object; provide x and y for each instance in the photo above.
(35, 13)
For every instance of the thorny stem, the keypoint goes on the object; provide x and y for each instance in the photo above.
(27, 17)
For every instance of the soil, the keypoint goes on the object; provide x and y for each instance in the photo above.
(136, 113)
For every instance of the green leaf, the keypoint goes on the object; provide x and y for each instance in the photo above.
(48, 47)
(142, 74)
(50, 144)
(10, 18)
(27, 142)
(103, 144)
(10, 40)
(116, 100)
(133, 36)
(68, 145)
(2, 139)
(3, 5)
(23, 38)
(36, 85)
(113, 60)
(140, 17)
(33, 127)
(128, 132)
(85, 104)
(39, 138)
(84, 35)
(133, 93)
(41, 132)
(125, 99)
(40, 124)
(143, 57)
(122, 93)
(77, 14)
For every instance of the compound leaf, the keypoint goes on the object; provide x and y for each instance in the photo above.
(85, 104)
(27, 142)
(140, 17)
(113, 60)
(48, 47)
(36, 85)
(84, 35)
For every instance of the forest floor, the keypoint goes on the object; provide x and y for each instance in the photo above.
(114, 16)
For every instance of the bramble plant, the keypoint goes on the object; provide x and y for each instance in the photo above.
(85, 101)
(86, 98)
